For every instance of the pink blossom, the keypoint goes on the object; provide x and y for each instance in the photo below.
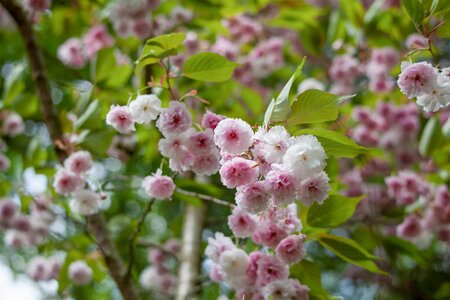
(410, 228)
(290, 250)
(120, 118)
(79, 162)
(175, 119)
(206, 164)
(66, 182)
(344, 69)
(201, 142)
(282, 186)
(241, 223)
(211, 120)
(238, 171)
(217, 245)
(269, 234)
(216, 274)
(253, 198)
(158, 186)
(34, 6)
(270, 269)
(416, 41)
(71, 53)
(7, 212)
(233, 264)
(314, 189)
(252, 269)
(417, 79)
(176, 148)
(141, 27)
(80, 273)
(13, 125)
(233, 136)
(226, 48)
(96, 39)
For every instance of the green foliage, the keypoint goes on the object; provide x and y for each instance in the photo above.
(431, 137)
(309, 274)
(209, 67)
(280, 108)
(349, 251)
(333, 212)
(314, 106)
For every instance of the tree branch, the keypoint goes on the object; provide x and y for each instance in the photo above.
(206, 198)
(96, 223)
(135, 234)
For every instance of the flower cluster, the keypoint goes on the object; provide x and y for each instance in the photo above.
(292, 167)
(71, 180)
(142, 110)
(429, 85)
(43, 269)
(25, 229)
(431, 216)
(186, 148)
(134, 18)
(75, 52)
(11, 126)
(345, 70)
(159, 277)
(392, 128)
(258, 275)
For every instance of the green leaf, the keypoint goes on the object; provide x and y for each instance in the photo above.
(334, 143)
(415, 10)
(92, 112)
(209, 67)
(314, 106)
(350, 251)
(333, 212)
(98, 142)
(444, 30)
(431, 137)
(309, 274)
(158, 48)
(281, 107)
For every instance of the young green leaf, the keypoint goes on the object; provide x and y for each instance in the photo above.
(350, 251)
(282, 108)
(309, 274)
(334, 143)
(415, 10)
(431, 137)
(314, 106)
(209, 67)
(333, 212)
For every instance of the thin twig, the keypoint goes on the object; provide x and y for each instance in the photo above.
(135, 234)
(150, 244)
(206, 198)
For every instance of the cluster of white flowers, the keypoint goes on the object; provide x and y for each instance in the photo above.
(143, 110)
(71, 180)
(428, 84)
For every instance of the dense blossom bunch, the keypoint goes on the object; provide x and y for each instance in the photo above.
(429, 85)
(292, 166)
(392, 128)
(25, 229)
(134, 18)
(258, 275)
(70, 180)
(431, 217)
(159, 277)
(76, 52)
(43, 269)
